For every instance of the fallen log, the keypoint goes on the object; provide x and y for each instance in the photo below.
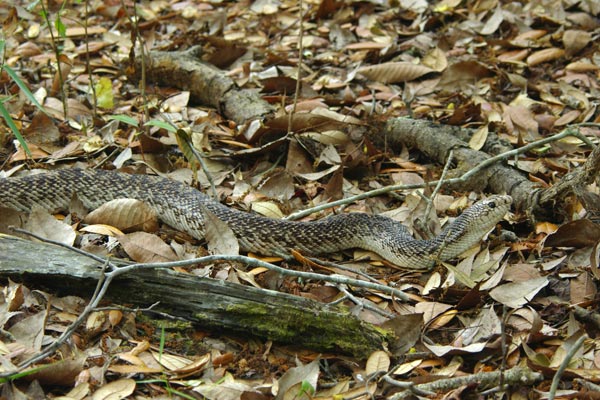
(214, 305)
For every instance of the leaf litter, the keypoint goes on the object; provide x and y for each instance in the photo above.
(517, 70)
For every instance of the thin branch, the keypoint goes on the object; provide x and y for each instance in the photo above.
(513, 376)
(364, 304)
(253, 262)
(564, 364)
(299, 70)
(99, 292)
(423, 227)
(66, 246)
(462, 179)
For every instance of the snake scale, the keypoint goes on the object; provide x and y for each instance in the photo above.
(182, 207)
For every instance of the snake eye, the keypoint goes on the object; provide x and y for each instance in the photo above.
(492, 204)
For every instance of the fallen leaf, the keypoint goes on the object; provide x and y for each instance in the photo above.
(146, 248)
(116, 390)
(394, 72)
(517, 294)
(127, 215)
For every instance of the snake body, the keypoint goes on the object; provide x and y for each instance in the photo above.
(183, 207)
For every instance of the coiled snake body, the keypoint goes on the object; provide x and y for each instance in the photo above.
(182, 207)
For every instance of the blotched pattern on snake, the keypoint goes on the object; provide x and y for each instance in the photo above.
(183, 207)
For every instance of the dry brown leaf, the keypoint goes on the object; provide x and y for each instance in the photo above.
(192, 368)
(102, 229)
(134, 369)
(45, 225)
(441, 350)
(513, 55)
(517, 294)
(42, 131)
(431, 310)
(567, 118)
(146, 248)
(267, 208)
(493, 22)
(76, 31)
(583, 288)
(463, 74)
(442, 320)
(575, 40)
(220, 239)
(15, 297)
(378, 362)
(29, 331)
(479, 137)
(394, 72)
(127, 215)
(542, 56)
(290, 382)
(582, 66)
(579, 233)
(37, 153)
(60, 373)
(436, 60)
(116, 390)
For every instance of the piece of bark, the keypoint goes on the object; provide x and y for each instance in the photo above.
(213, 304)
(207, 84)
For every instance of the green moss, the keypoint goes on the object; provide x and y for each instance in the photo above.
(322, 331)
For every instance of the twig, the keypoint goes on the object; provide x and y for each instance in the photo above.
(342, 267)
(364, 304)
(422, 222)
(253, 262)
(513, 376)
(440, 182)
(564, 364)
(408, 386)
(66, 246)
(299, 70)
(462, 179)
(101, 288)
(200, 159)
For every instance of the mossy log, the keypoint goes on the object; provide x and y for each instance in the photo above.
(212, 304)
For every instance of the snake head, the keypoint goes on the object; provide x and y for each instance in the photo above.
(488, 212)
(477, 220)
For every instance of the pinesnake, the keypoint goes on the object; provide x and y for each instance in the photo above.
(182, 207)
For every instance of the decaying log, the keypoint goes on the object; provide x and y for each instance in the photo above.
(207, 84)
(436, 141)
(212, 304)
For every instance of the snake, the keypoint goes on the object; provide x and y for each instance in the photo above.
(184, 207)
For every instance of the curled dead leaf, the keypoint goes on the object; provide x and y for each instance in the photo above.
(575, 40)
(544, 55)
(378, 361)
(146, 248)
(580, 233)
(394, 72)
(115, 390)
(128, 215)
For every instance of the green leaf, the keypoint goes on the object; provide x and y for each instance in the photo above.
(60, 27)
(11, 124)
(306, 387)
(104, 93)
(126, 119)
(24, 88)
(161, 124)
